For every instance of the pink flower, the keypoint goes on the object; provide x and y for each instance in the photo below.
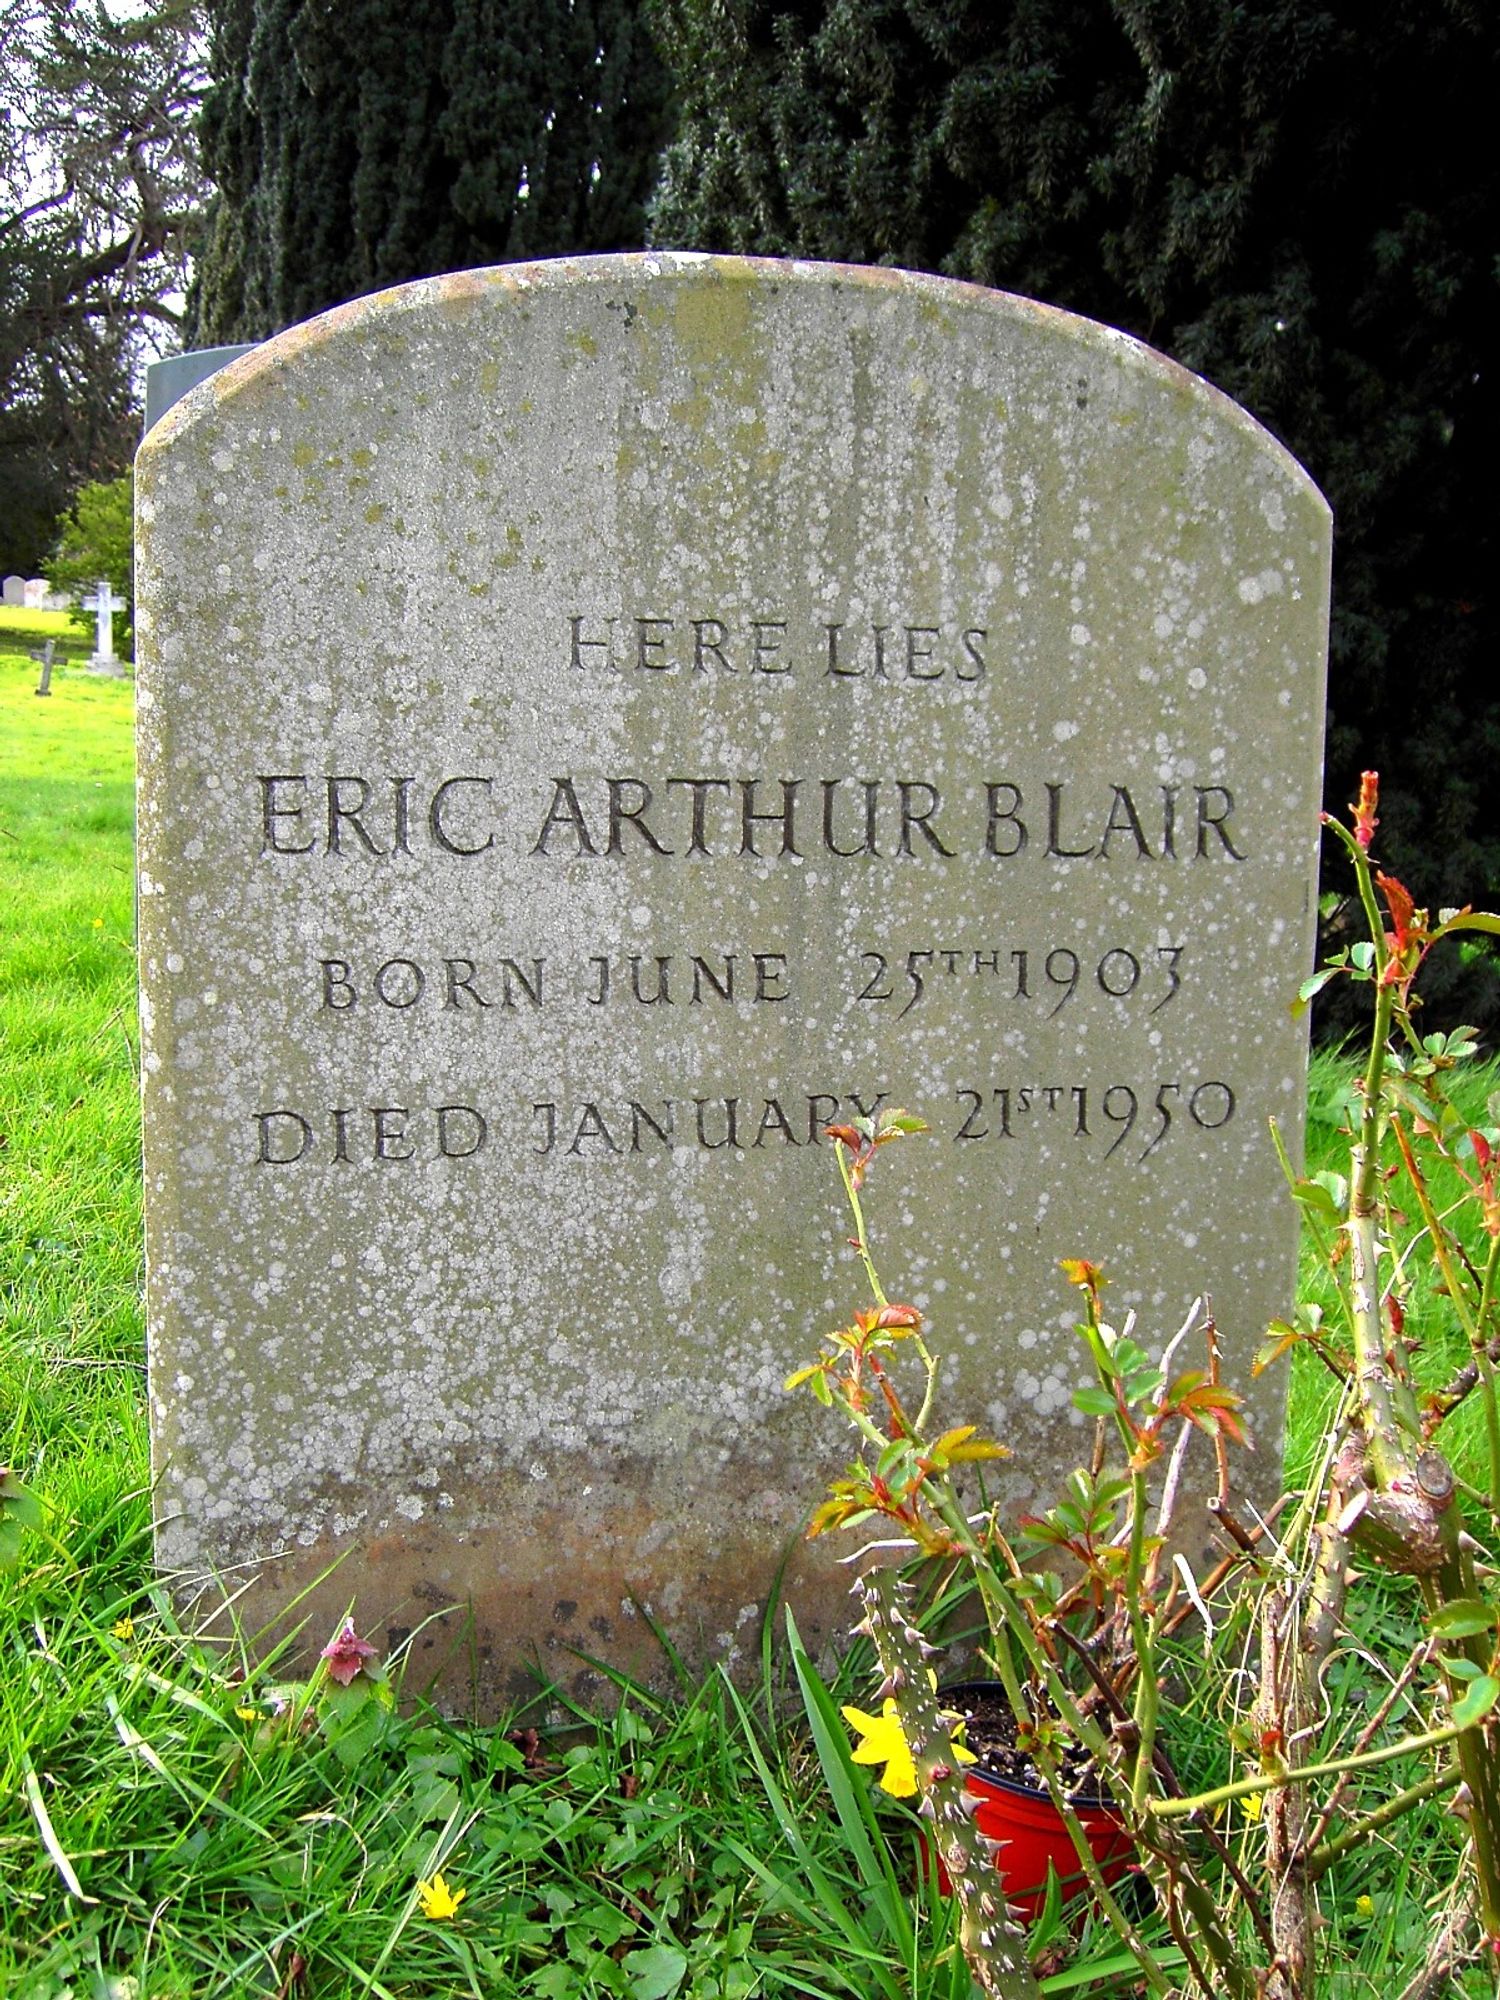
(346, 1655)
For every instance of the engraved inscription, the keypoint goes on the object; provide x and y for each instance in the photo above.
(770, 643)
(452, 984)
(1149, 977)
(351, 814)
(887, 818)
(989, 1114)
(743, 1123)
(383, 1133)
(676, 815)
(1027, 974)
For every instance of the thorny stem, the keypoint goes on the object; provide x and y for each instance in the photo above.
(1241, 1788)
(1420, 1656)
(1146, 1687)
(862, 1244)
(1449, 1948)
(1282, 1712)
(1009, 1625)
(1320, 1859)
(861, 1240)
(1487, 1375)
(1173, 1787)
(1437, 1235)
(1008, 1621)
(1327, 1255)
(993, 1944)
(1392, 1426)
(1329, 1586)
(1473, 1323)
(1395, 1510)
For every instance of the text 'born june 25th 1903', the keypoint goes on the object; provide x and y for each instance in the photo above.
(1047, 976)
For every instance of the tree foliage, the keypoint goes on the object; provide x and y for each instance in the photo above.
(365, 144)
(1297, 198)
(99, 193)
(97, 542)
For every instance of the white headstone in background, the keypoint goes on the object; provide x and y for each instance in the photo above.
(600, 722)
(13, 590)
(104, 603)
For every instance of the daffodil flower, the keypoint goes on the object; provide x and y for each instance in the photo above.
(883, 1741)
(437, 1899)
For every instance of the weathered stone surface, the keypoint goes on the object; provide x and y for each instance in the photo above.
(600, 721)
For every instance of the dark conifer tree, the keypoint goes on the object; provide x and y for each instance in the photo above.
(361, 144)
(1299, 199)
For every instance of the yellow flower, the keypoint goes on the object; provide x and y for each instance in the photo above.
(437, 1899)
(1251, 1804)
(248, 1714)
(883, 1741)
(98, 923)
(123, 1628)
(1365, 1905)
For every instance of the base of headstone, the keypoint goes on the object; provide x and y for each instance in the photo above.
(449, 1605)
(110, 670)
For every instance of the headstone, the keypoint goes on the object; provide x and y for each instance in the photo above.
(104, 603)
(168, 381)
(13, 590)
(44, 657)
(601, 722)
(37, 595)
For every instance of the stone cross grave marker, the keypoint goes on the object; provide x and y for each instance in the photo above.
(104, 603)
(44, 659)
(600, 722)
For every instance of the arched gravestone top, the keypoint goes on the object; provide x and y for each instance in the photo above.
(600, 721)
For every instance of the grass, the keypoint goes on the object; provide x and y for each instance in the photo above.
(176, 1825)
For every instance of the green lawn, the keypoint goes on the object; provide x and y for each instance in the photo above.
(176, 1825)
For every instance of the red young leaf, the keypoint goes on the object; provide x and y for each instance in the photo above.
(898, 1316)
(1365, 821)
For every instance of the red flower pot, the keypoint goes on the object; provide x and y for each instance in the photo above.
(1032, 1832)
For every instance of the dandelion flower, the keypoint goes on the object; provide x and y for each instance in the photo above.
(123, 1628)
(437, 1899)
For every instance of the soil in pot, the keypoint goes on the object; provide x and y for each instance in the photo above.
(1017, 1811)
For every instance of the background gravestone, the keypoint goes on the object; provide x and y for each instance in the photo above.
(13, 590)
(601, 721)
